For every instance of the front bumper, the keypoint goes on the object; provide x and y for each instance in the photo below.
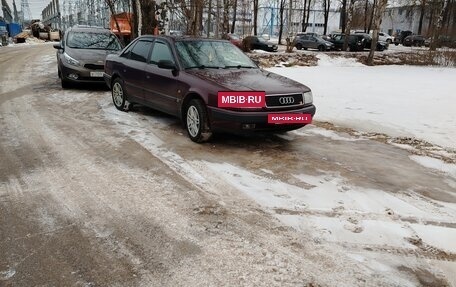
(83, 74)
(246, 122)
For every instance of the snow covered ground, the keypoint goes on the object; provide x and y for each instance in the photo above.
(397, 100)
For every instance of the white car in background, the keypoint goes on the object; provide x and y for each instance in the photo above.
(385, 37)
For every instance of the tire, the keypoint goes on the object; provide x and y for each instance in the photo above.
(321, 48)
(388, 41)
(298, 46)
(196, 121)
(119, 97)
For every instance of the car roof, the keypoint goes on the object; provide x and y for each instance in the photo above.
(91, 29)
(180, 38)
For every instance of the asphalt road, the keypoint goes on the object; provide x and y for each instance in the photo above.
(90, 196)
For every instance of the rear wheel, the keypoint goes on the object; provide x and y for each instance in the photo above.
(119, 97)
(196, 121)
(321, 48)
(298, 46)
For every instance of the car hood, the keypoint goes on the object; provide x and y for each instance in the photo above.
(89, 55)
(250, 80)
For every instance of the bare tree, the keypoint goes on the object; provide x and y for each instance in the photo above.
(304, 22)
(234, 16)
(111, 4)
(438, 25)
(422, 12)
(326, 7)
(379, 9)
(255, 16)
(348, 25)
(281, 8)
(343, 15)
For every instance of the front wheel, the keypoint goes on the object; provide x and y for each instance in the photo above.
(196, 121)
(321, 48)
(298, 46)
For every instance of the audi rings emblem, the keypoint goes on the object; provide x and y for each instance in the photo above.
(286, 100)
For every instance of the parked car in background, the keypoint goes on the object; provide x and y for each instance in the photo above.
(182, 77)
(381, 45)
(355, 43)
(399, 39)
(385, 37)
(414, 40)
(234, 39)
(305, 41)
(82, 52)
(258, 43)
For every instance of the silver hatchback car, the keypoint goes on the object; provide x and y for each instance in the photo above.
(82, 52)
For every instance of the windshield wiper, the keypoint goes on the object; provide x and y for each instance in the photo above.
(238, 67)
(203, 67)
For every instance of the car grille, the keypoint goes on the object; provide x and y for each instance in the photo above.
(94, 67)
(286, 100)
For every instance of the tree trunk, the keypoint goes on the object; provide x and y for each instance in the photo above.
(308, 14)
(148, 22)
(233, 25)
(379, 10)
(374, 5)
(255, 16)
(282, 3)
(366, 9)
(327, 5)
(303, 27)
(343, 16)
(351, 7)
(209, 14)
(226, 11)
(422, 12)
(438, 26)
(111, 4)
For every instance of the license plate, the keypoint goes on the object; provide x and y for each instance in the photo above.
(96, 74)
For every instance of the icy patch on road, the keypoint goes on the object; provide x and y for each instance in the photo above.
(435, 164)
(68, 97)
(325, 133)
(131, 125)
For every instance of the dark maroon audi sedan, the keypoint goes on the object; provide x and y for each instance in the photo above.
(183, 76)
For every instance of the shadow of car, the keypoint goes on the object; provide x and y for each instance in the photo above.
(82, 52)
(183, 77)
(258, 43)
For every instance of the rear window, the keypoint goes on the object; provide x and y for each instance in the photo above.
(90, 40)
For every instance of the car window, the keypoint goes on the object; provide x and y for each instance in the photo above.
(96, 41)
(211, 54)
(161, 51)
(140, 51)
(127, 51)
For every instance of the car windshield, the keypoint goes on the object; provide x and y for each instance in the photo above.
(100, 41)
(262, 40)
(212, 54)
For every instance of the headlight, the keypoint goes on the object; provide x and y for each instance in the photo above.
(308, 98)
(270, 46)
(70, 60)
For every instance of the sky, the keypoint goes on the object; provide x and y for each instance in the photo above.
(36, 6)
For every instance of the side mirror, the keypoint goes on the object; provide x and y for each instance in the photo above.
(167, 64)
(58, 46)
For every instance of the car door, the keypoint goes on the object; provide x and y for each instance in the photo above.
(305, 41)
(132, 71)
(161, 86)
